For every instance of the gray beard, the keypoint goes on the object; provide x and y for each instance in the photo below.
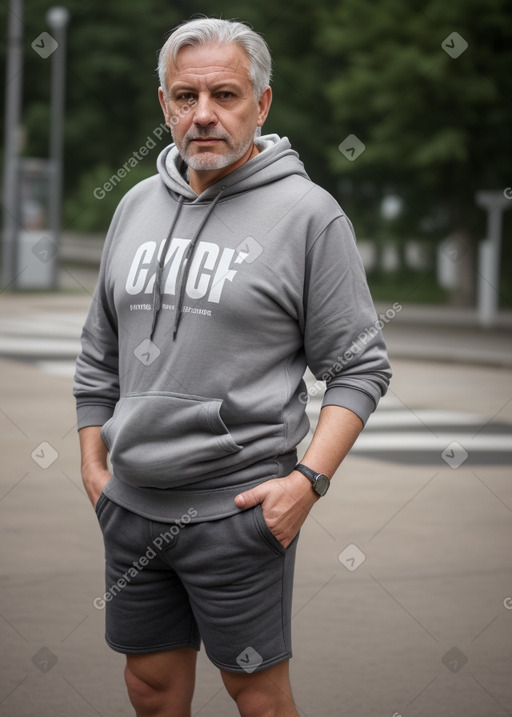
(205, 161)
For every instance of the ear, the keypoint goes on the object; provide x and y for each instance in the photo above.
(264, 106)
(163, 105)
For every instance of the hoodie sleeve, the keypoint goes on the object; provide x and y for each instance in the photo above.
(342, 333)
(96, 384)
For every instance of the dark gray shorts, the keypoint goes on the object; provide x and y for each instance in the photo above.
(226, 582)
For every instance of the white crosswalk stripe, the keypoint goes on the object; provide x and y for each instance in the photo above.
(427, 436)
(403, 441)
(46, 337)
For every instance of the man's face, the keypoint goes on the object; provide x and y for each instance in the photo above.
(210, 97)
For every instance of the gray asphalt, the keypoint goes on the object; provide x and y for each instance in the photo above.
(403, 590)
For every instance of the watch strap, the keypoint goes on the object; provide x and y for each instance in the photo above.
(308, 472)
(319, 481)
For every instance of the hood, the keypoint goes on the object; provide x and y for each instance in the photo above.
(276, 160)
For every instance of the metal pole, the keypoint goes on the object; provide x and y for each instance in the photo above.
(495, 203)
(57, 18)
(13, 86)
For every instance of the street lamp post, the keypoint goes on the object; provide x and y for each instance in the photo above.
(57, 18)
(13, 86)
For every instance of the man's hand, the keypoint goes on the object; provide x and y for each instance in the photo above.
(285, 502)
(95, 473)
(94, 482)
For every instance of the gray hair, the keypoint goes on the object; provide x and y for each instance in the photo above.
(213, 31)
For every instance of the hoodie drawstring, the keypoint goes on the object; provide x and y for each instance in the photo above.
(185, 266)
(187, 261)
(157, 291)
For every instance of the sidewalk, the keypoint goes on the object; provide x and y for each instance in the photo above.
(402, 601)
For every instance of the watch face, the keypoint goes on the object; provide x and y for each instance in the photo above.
(322, 484)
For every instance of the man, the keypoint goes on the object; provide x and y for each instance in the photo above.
(223, 276)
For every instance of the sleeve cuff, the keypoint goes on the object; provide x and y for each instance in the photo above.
(93, 415)
(359, 402)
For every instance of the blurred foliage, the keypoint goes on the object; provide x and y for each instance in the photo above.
(415, 287)
(434, 126)
(111, 104)
(435, 129)
(90, 207)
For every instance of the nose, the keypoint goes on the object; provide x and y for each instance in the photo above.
(203, 111)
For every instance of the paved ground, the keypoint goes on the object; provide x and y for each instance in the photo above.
(403, 583)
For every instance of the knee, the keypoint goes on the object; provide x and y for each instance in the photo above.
(161, 683)
(262, 694)
(147, 697)
(253, 702)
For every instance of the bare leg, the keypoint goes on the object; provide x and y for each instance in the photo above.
(161, 684)
(262, 694)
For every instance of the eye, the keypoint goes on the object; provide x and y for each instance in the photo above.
(184, 96)
(225, 95)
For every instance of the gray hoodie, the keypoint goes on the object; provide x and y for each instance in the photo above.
(206, 313)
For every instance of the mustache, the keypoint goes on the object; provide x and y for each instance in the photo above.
(206, 134)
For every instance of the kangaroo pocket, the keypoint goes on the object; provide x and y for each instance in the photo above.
(160, 439)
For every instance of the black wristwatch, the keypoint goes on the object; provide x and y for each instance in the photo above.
(319, 481)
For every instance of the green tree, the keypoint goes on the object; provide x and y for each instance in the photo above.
(436, 126)
(111, 102)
